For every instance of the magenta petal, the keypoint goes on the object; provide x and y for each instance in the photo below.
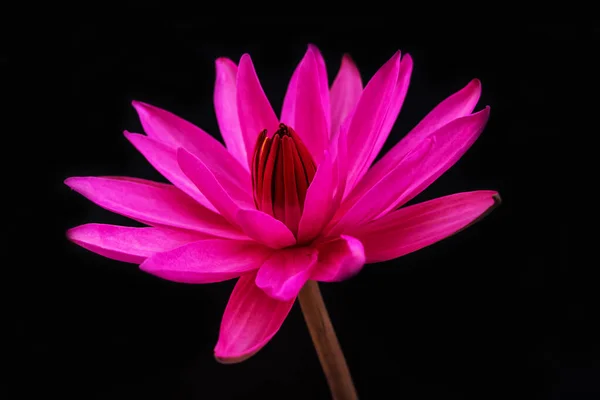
(412, 228)
(288, 111)
(164, 159)
(414, 173)
(406, 67)
(368, 117)
(225, 100)
(207, 261)
(152, 203)
(345, 92)
(460, 104)
(201, 176)
(265, 229)
(250, 320)
(310, 121)
(254, 110)
(286, 271)
(129, 244)
(339, 259)
(323, 82)
(320, 204)
(176, 132)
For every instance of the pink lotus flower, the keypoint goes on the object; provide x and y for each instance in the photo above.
(289, 199)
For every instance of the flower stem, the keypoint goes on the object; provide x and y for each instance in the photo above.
(326, 343)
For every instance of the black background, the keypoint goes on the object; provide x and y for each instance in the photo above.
(497, 311)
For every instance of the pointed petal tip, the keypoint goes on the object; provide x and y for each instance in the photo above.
(475, 86)
(72, 181)
(228, 360)
(245, 58)
(221, 62)
(347, 58)
(407, 60)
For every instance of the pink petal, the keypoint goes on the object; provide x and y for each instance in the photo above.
(254, 110)
(207, 261)
(250, 320)
(128, 244)
(319, 205)
(286, 271)
(339, 259)
(423, 165)
(412, 228)
(225, 100)
(176, 132)
(368, 118)
(152, 203)
(288, 111)
(164, 159)
(458, 105)
(323, 82)
(406, 67)
(265, 229)
(310, 121)
(325, 192)
(345, 92)
(206, 182)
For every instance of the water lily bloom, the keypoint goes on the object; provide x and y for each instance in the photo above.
(288, 199)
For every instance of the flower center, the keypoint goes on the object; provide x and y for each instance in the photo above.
(282, 170)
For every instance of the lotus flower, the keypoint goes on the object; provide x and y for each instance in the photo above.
(287, 199)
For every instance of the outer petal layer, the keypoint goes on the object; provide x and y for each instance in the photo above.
(177, 132)
(368, 118)
(412, 228)
(265, 229)
(460, 104)
(286, 271)
(339, 259)
(206, 261)
(414, 173)
(164, 159)
(310, 118)
(129, 244)
(152, 203)
(225, 100)
(345, 92)
(254, 110)
(250, 320)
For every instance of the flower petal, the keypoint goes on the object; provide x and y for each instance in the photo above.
(206, 182)
(286, 271)
(458, 105)
(406, 67)
(339, 259)
(368, 118)
(250, 320)
(225, 100)
(323, 82)
(319, 205)
(207, 261)
(310, 121)
(129, 244)
(414, 173)
(345, 92)
(152, 203)
(288, 112)
(254, 110)
(324, 194)
(177, 132)
(164, 159)
(265, 229)
(412, 228)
